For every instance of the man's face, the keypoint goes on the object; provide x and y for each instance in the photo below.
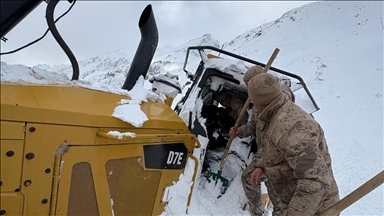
(226, 102)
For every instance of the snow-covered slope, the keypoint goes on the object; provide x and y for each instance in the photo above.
(337, 47)
(177, 54)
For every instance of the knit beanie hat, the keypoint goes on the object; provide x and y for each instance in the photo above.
(251, 72)
(264, 88)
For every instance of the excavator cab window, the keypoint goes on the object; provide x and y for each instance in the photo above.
(218, 118)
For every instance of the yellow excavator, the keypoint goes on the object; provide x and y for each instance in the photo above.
(58, 157)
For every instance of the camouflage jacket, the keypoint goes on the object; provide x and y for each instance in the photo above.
(286, 90)
(254, 126)
(236, 107)
(249, 128)
(295, 158)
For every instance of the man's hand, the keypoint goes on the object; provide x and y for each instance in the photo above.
(233, 132)
(256, 176)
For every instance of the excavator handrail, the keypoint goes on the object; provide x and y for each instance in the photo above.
(277, 70)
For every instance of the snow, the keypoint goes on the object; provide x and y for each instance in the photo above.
(167, 84)
(190, 106)
(112, 203)
(165, 89)
(138, 93)
(130, 113)
(336, 47)
(121, 135)
(129, 110)
(22, 74)
(177, 194)
(226, 66)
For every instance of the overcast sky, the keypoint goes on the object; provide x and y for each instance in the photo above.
(95, 27)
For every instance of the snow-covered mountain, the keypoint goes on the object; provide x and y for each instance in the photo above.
(110, 69)
(336, 47)
(177, 54)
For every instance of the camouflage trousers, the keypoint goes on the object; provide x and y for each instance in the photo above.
(275, 200)
(254, 194)
(307, 202)
(318, 204)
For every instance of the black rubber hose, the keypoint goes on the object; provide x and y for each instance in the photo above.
(52, 27)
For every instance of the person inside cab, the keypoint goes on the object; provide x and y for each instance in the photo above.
(235, 105)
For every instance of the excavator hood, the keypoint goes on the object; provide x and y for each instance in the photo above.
(72, 105)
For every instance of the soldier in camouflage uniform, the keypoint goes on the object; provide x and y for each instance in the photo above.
(251, 128)
(295, 155)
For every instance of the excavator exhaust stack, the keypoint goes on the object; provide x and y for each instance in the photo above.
(146, 49)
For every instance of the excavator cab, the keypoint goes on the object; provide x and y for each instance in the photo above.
(215, 75)
(62, 151)
(200, 108)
